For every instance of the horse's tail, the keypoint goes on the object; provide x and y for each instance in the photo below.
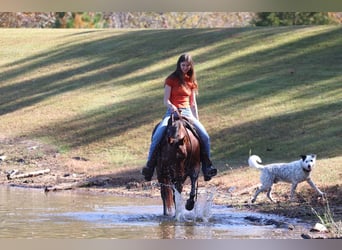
(168, 198)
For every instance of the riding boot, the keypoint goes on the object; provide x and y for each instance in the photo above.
(207, 167)
(148, 170)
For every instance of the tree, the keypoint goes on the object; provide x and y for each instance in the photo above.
(27, 19)
(163, 20)
(293, 18)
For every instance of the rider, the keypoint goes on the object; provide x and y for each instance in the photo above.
(180, 91)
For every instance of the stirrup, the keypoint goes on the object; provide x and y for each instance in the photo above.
(209, 172)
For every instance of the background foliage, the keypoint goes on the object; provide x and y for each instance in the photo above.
(294, 18)
(166, 20)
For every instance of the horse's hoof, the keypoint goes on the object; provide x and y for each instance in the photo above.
(189, 205)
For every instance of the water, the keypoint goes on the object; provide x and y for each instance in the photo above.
(29, 213)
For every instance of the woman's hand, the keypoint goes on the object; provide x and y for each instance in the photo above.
(172, 107)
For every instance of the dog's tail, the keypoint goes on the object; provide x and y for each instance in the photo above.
(254, 161)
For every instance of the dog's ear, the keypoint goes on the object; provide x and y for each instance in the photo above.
(313, 156)
(303, 157)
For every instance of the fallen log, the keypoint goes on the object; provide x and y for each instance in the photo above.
(68, 186)
(63, 186)
(14, 175)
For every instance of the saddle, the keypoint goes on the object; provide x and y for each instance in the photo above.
(187, 123)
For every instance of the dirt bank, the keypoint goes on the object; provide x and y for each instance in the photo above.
(30, 164)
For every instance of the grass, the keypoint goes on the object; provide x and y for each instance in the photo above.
(275, 92)
(327, 219)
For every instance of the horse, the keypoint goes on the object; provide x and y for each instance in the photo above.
(179, 158)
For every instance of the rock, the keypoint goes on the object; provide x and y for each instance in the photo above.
(133, 184)
(319, 228)
(79, 158)
(21, 160)
(306, 236)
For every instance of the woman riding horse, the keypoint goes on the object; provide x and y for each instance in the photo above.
(180, 91)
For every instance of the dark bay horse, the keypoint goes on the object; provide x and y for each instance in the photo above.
(179, 158)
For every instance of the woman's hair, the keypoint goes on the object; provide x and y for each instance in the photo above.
(178, 73)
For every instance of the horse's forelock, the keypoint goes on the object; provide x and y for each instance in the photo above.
(175, 132)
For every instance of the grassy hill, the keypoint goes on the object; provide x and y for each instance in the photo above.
(276, 92)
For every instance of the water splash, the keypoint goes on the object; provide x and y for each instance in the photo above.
(202, 210)
(203, 206)
(179, 204)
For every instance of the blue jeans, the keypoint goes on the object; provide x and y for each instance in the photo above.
(158, 134)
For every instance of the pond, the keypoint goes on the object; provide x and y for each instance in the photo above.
(30, 213)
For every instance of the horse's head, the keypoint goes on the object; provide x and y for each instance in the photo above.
(175, 132)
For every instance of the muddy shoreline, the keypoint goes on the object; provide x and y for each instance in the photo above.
(30, 164)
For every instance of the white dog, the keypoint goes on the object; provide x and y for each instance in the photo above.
(293, 172)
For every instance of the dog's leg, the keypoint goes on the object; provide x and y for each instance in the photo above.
(293, 189)
(257, 192)
(269, 194)
(314, 186)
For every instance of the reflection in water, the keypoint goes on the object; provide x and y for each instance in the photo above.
(29, 213)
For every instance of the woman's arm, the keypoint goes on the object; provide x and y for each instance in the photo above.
(167, 94)
(193, 104)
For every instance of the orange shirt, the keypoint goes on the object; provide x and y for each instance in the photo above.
(180, 93)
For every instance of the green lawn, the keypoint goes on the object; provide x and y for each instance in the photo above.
(276, 92)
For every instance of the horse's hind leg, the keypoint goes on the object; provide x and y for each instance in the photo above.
(190, 203)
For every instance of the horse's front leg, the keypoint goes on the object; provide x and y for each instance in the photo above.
(190, 203)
